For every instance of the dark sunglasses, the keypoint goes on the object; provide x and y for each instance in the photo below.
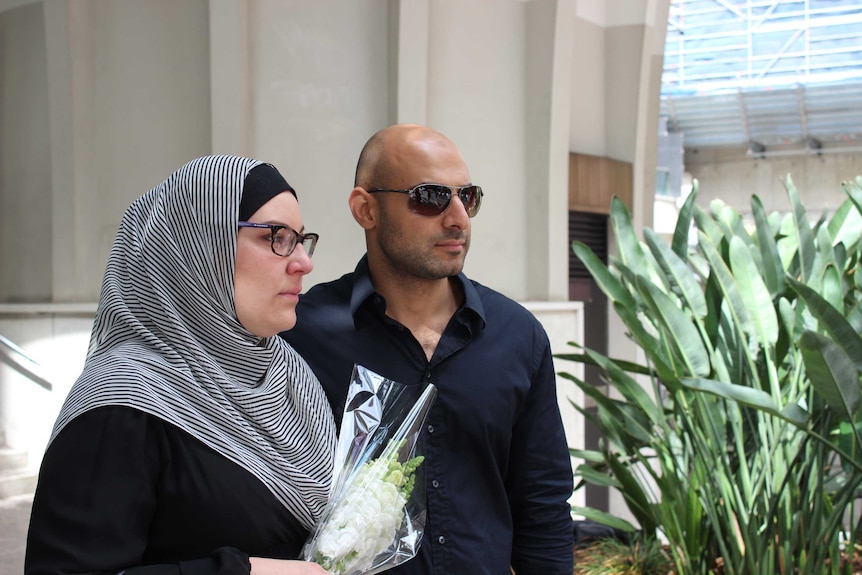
(433, 199)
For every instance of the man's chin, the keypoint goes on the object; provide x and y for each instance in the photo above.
(451, 270)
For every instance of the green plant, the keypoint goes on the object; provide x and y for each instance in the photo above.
(738, 437)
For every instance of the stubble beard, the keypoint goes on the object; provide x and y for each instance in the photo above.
(418, 260)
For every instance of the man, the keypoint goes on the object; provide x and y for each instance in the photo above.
(497, 468)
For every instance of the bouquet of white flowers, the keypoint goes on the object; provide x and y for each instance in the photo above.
(376, 516)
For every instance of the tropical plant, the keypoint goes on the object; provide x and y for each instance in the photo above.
(738, 437)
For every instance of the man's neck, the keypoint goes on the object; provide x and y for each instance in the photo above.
(422, 306)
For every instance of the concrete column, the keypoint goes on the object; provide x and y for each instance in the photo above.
(64, 247)
(25, 177)
(409, 61)
(549, 28)
(634, 64)
(230, 81)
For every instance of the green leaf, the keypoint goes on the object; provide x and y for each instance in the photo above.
(707, 225)
(847, 437)
(831, 288)
(803, 231)
(854, 194)
(746, 395)
(635, 496)
(845, 227)
(754, 294)
(854, 316)
(595, 477)
(788, 245)
(646, 341)
(590, 455)
(628, 246)
(727, 284)
(840, 255)
(606, 281)
(679, 243)
(832, 373)
(629, 388)
(623, 364)
(773, 272)
(824, 256)
(732, 220)
(604, 518)
(857, 277)
(832, 321)
(678, 275)
(627, 424)
(677, 328)
(785, 314)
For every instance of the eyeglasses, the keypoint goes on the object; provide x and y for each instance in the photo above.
(284, 239)
(433, 199)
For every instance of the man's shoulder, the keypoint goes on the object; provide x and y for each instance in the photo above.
(323, 308)
(495, 301)
(508, 314)
(328, 292)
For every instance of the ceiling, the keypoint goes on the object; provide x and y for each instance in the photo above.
(778, 76)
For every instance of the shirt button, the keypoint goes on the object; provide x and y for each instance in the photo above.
(435, 484)
(430, 428)
(441, 540)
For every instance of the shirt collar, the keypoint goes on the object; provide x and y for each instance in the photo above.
(471, 310)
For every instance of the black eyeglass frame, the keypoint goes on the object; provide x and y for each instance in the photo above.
(417, 202)
(297, 237)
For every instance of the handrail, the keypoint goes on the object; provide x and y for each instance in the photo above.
(18, 359)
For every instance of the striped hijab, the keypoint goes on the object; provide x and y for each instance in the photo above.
(166, 341)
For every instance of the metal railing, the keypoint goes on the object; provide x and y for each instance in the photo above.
(18, 359)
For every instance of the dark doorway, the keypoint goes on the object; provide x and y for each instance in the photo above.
(591, 229)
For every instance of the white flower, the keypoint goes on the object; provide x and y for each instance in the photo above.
(367, 518)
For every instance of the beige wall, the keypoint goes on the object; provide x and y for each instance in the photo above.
(733, 176)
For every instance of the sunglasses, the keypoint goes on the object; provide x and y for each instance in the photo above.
(433, 199)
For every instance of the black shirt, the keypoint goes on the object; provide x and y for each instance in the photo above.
(498, 472)
(122, 490)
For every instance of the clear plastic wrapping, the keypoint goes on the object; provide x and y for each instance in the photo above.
(376, 516)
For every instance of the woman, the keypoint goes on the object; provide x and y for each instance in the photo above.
(195, 440)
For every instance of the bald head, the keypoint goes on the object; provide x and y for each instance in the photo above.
(396, 150)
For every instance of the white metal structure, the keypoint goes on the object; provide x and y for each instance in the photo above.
(780, 76)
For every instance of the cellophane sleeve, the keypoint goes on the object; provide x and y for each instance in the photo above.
(376, 515)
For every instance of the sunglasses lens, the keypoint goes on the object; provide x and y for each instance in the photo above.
(472, 198)
(429, 200)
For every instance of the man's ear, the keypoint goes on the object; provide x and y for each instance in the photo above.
(363, 207)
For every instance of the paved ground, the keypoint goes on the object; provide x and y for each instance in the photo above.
(14, 518)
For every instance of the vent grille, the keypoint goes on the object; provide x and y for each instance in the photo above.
(591, 229)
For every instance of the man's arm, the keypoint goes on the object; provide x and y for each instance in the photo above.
(540, 478)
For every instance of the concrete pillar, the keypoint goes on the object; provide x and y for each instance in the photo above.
(230, 78)
(408, 53)
(549, 26)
